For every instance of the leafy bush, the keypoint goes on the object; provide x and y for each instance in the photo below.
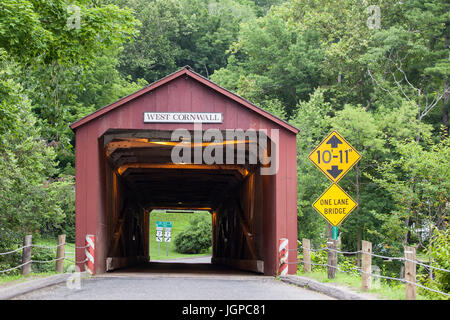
(10, 261)
(63, 193)
(346, 264)
(43, 254)
(37, 254)
(320, 258)
(439, 251)
(196, 238)
(389, 270)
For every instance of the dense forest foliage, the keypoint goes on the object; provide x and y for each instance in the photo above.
(376, 71)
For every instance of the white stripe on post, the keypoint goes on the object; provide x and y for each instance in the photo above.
(89, 251)
(283, 256)
(90, 241)
(89, 256)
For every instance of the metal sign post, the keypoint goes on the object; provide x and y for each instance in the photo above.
(167, 238)
(159, 233)
(335, 233)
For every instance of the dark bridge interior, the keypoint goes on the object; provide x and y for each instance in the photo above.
(140, 177)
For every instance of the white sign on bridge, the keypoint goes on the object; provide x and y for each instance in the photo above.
(182, 117)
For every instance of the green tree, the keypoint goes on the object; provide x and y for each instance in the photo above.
(343, 34)
(438, 251)
(58, 59)
(45, 65)
(27, 200)
(175, 33)
(44, 29)
(418, 181)
(408, 59)
(271, 60)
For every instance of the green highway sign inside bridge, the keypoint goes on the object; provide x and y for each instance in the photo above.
(163, 224)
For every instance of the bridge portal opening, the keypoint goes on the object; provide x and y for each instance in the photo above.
(162, 242)
(141, 177)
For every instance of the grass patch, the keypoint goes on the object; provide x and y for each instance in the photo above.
(379, 288)
(8, 280)
(180, 221)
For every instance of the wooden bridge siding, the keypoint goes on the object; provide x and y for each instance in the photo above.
(291, 197)
(122, 205)
(270, 225)
(88, 194)
(242, 212)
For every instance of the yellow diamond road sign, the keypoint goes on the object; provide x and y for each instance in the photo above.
(334, 156)
(334, 205)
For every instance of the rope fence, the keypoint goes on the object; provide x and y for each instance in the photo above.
(61, 255)
(409, 260)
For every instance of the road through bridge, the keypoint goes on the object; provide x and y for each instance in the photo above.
(183, 279)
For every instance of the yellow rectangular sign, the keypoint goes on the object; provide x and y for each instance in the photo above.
(334, 156)
(334, 205)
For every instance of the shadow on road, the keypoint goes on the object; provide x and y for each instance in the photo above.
(182, 267)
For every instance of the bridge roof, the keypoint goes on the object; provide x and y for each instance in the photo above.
(185, 71)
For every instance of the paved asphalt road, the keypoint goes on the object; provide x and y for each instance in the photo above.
(193, 279)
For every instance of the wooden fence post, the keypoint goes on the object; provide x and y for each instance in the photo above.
(410, 273)
(306, 244)
(332, 258)
(26, 255)
(60, 252)
(366, 265)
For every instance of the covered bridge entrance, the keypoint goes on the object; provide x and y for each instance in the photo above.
(183, 142)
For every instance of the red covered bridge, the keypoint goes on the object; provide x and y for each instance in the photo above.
(125, 168)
